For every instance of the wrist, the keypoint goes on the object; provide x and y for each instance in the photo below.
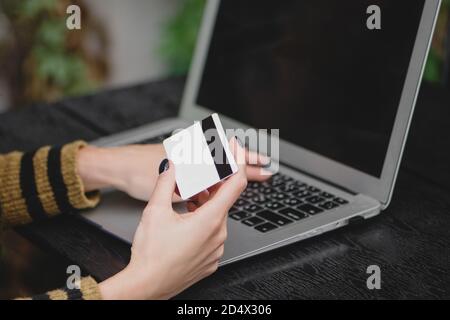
(129, 285)
(93, 167)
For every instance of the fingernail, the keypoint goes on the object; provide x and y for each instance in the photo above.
(265, 172)
(164, 166)
(267, 164)
(265, 161)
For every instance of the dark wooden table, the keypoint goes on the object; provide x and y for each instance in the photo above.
(410, 241)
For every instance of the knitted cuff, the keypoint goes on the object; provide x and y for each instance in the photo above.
(13, 205)
(75, 188)
(35, 185)
(89, 290)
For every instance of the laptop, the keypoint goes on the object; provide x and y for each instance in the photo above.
(339, 79)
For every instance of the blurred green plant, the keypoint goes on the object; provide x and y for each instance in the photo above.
(439, 54)
(180, 36)
(45, 60)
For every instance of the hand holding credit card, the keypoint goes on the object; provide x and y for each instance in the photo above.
(201, 156)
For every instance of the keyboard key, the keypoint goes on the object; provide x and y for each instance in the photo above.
(276, 176)
(293, 214)
(273, 217)
(260, 199)
(303, 188)
(329, 205)
(252, 208)
(292, 202)
(300, 184)
(288, 188)
(282, 177)
(340, 200)
(309, 209)
(266, 190)
(253, 185)
(266, 227)
(315, 199)
(253, 221)
(274, 205)
(240, 215)
(234, 209)
(326, 195)
(302, 194)
(276, 183)
(248, 194)
(241, 203)
(313, 189)
(279, 196)
(278, 180)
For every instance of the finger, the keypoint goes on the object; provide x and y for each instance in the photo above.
(165, 186)
(212, 190)
(256, 159)
(230, 190)
(202, 273)
(191, 206)
(257, 174)
(197, 201)
(216, 255)
(201, 198)
(210, 269)
(238, 152)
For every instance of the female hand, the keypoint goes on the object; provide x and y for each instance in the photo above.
(170, 251)
(134, 169)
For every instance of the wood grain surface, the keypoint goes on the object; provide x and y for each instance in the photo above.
(410, 241)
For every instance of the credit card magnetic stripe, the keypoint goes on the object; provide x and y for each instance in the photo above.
(216, 148)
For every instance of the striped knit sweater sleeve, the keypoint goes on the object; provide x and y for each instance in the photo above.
(41, 184)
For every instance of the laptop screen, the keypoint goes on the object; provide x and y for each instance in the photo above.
(323, 72)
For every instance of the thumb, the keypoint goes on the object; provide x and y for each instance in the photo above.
(165, 186)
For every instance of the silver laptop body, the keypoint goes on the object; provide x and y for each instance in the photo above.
(362, 195)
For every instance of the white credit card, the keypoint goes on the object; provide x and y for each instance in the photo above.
(201, 155)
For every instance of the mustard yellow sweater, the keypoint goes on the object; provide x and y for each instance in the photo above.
(38, 185)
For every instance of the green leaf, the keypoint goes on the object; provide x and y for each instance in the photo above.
(433, 68)
(32, 8)
(51, 33)
(180, 36)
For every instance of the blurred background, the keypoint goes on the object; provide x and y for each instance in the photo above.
(121, 43)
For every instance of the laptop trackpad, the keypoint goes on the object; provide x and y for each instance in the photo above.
(120, 215)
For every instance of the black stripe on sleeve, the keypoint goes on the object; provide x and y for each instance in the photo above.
(28, 186)
(216, 148)
(43, 296)
(57, 181)
(74, 294)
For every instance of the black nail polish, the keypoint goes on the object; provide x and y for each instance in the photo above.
(164, 166)
(267, 165)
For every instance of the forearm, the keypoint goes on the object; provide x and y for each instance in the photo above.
(131, 169)
(96, 168)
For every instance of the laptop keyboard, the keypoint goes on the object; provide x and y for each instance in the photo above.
(278, 202)
(281, 201)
